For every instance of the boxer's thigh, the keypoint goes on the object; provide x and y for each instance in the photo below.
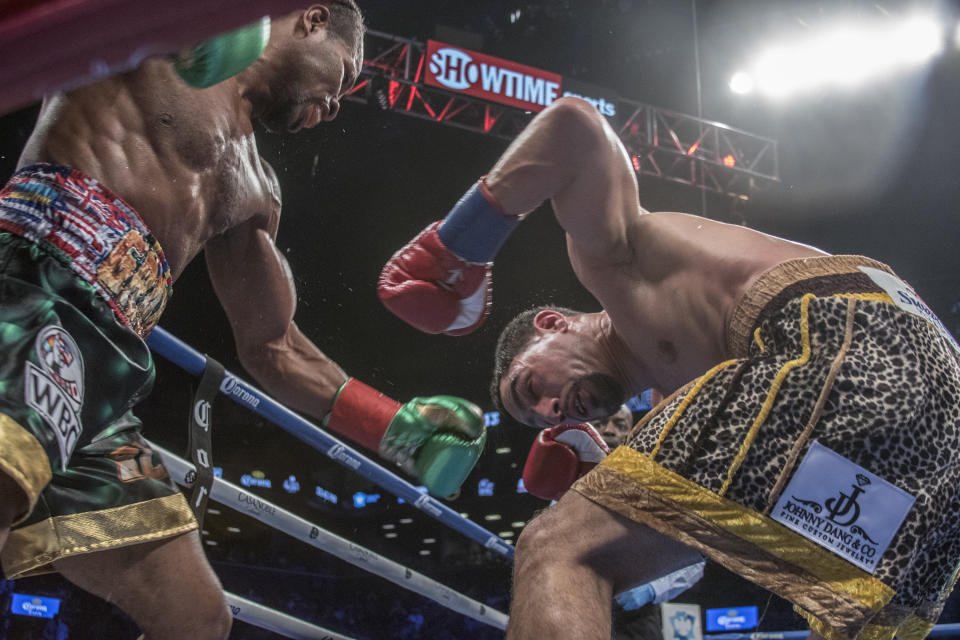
(167, 587)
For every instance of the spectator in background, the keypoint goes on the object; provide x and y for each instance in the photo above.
(614, 429)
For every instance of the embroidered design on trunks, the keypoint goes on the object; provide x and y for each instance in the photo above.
(99, 235)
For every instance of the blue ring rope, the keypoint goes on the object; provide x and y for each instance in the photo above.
(245, 394)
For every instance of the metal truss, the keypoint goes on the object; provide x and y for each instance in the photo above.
(662, 143)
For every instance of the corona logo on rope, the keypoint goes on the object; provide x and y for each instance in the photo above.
(232, 387)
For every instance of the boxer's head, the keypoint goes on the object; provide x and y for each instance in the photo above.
(313, 57)
(614, 429)
(549, 369)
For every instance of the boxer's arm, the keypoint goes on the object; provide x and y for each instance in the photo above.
(572, 157)
(253, 282)
(438, 439)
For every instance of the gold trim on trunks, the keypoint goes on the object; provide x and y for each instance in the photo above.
(32, 550)
(911, 628)
(914, 628)
(678, 413)
(744, 541)
(774, 280)
(767, 406)
(24, 460)
(876, 297)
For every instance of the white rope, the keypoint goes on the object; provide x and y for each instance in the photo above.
(270, 514)
(276, 621)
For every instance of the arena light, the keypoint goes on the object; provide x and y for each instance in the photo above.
(741, 82)
(844, 56)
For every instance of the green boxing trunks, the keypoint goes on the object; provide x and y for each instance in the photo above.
(81, 284)
(820, 461)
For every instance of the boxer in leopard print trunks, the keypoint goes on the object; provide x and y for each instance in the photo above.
(811, 438)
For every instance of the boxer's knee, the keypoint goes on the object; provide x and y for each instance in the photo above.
(215, 621)
(550, 538)
(206, 617)
(166, 586)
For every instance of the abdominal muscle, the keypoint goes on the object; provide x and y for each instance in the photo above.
(183, 159)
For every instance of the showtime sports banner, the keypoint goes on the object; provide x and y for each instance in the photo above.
(482, 76)
(510, 83)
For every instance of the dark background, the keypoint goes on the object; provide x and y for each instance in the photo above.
(871, 171)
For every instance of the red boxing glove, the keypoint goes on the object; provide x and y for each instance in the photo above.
(559, 456)
(434, 289)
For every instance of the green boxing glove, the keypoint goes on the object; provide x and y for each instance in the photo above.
(438, 439)
(222, 56)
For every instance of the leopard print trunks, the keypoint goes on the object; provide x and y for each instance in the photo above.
(829, 356)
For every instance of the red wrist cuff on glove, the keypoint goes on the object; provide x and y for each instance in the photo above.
(362, 413)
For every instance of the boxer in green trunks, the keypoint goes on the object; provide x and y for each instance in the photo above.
(111, 173)
(154, 155)
(811, 437)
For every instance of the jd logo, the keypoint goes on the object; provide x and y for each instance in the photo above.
(846, 506)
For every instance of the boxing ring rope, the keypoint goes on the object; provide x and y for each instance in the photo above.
(272, 620)
(245, 394)
(276, 517)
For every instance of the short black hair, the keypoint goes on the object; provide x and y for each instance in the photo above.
(346, 20)
(512, 341)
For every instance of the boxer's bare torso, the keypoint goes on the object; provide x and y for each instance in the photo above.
(668, 282)
(184, 159)
(671, 302)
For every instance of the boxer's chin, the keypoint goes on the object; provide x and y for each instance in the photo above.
(278, 120)
(606, 391)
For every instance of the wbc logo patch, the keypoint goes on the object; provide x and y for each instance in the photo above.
(843, 507)
(55, 388)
